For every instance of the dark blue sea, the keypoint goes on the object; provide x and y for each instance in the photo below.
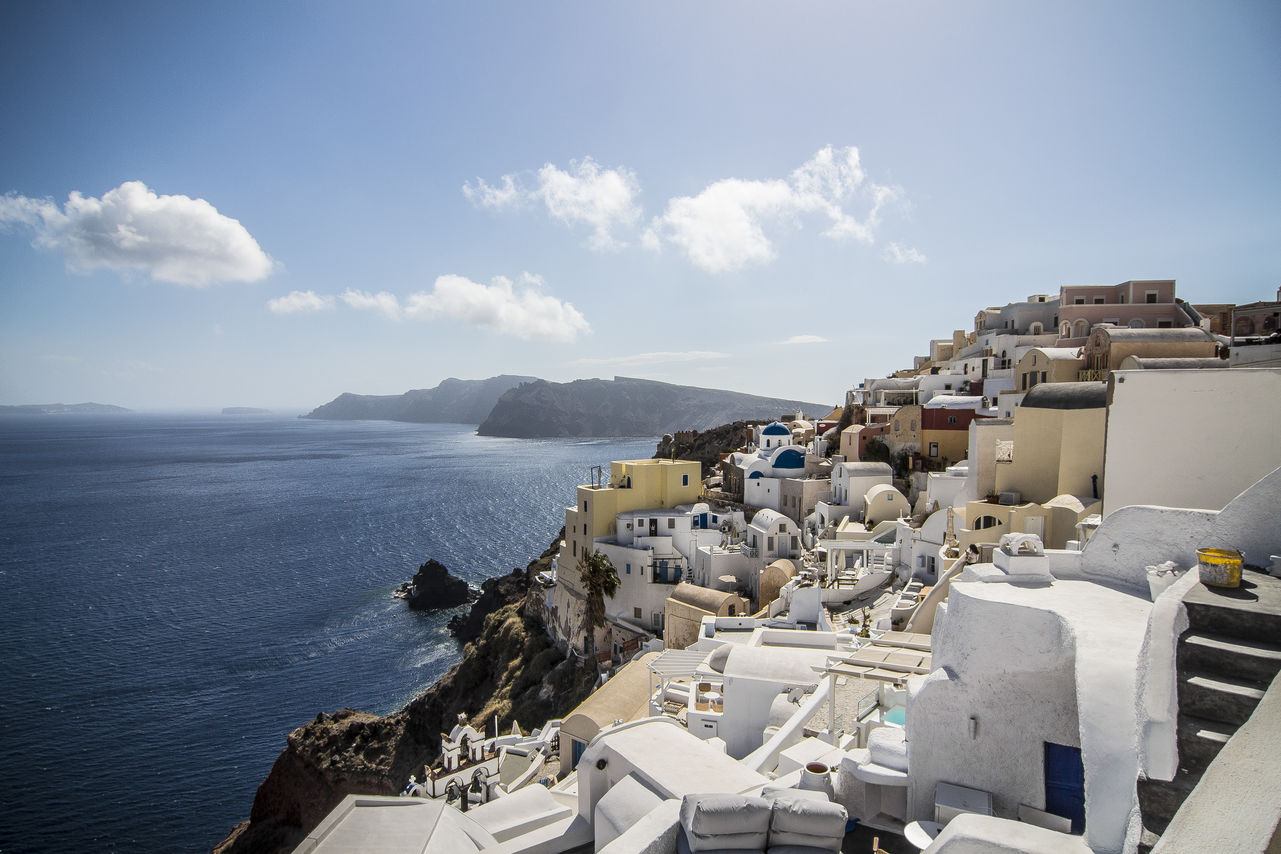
(179, 593)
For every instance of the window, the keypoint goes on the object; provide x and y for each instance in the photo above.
(584, 506)
(731, 609)
(575, 548)
(1042, 376)
(769, 544)
(1164, 324)
(1099, 300)
(671, 520)
(795, 544)
(684, 480)
(1150, 297)
(629, 572)
(584, 529)
(951, 419)
(1079, 301)
(934, 449)
(1136, 323)
(636, 613)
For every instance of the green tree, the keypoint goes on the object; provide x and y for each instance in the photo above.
(599, 579)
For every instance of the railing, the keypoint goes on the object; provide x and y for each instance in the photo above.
(1089, 375)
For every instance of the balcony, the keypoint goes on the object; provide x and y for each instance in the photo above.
(1090, 375)
(667, 572)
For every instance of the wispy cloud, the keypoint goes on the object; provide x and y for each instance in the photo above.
(804, 339)
(585, 194)
(130, 369)
(659, 358)
(897, 254)
(724, 227)
(132, 229)
(383, 302)
(525, 311)
(520, 309)
(296, 302)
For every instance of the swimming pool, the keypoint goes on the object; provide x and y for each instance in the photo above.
(896, 716)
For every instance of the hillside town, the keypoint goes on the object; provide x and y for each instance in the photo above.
(1023, 595)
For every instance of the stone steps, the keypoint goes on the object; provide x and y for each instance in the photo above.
(1226, 660)
(1248, 660)
(1249, 612)
(1159, 800)
(1200, 740)
(1220, 698)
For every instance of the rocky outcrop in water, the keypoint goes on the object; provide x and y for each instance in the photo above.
(435, 588)
(509, 670)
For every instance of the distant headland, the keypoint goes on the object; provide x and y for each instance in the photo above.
(63, 409)
(528, 408)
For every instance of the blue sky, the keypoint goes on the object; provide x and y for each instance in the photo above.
(278, 202)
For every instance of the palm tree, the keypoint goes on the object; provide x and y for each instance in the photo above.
(599, 579)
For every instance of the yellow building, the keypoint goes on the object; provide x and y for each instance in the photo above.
(1059, 432)
(1051, 475)
(632, 485)
(1048, 365)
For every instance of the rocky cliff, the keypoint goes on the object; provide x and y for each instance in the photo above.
(454, 401)
(624, 407)
(705, 446)
(509, 669)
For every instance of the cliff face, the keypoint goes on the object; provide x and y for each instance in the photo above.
(623, 407)
(705, 446)
(509, 669)
(452, 402)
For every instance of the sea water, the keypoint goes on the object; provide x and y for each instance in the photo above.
(179, 593)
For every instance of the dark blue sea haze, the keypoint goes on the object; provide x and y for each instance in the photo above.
(180, 592)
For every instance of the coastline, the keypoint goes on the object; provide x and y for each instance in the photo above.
(509, 669)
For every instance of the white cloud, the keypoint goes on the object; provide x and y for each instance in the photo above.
(659, 358)
(585, 194)
(506, 196)
(382, 302)
(903, 255)
(805, 339)
(524, 312)
(723, 228)
(170, 238)
(300, 301)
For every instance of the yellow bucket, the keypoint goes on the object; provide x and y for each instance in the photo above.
(1220, 567)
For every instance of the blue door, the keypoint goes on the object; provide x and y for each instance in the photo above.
(1065, 784)
(576, 752)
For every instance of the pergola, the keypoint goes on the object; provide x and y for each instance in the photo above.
(671, 665)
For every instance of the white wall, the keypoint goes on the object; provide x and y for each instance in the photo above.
(1190, 438)
(635, 589)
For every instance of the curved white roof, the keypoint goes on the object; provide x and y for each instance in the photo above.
(880, 489)
(790, 665)
(1056, 353)
(765, 519)
(955, 401)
